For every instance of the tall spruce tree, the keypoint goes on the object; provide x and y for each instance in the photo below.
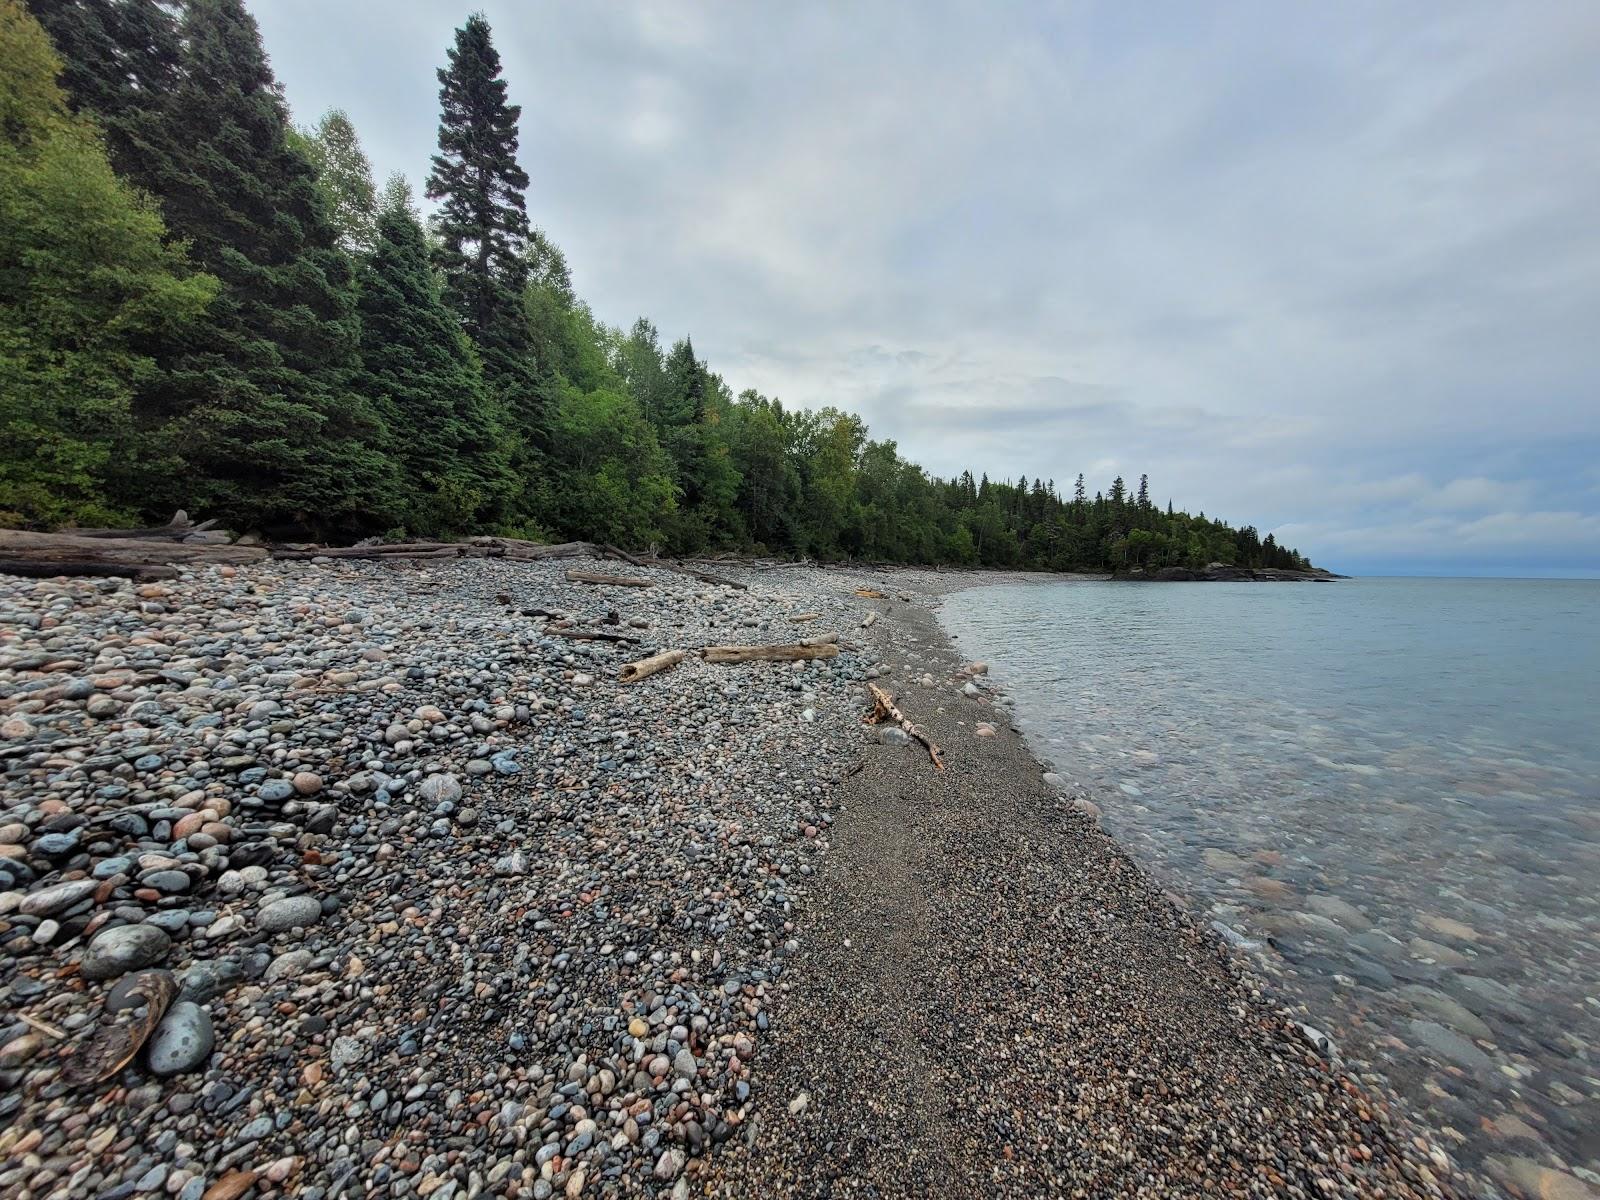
(119, 58)
(482, 228)
(419, 368)
(254, 419)
(85, 280)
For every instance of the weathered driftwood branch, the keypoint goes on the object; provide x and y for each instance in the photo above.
(609, 580)
(179, 529)
(883, 709)
(577, 634)
(871, 619)
(802, 618)
(611, 551)
(811, 648)
(645, 667)
(871, 594)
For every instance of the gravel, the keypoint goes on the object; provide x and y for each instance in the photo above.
(454, 914)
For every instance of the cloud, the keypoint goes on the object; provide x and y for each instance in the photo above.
(1324, 270)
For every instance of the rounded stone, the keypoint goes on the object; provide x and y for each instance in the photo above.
(125, 948)
(182, 1041)
(436, 789)
(289, 913)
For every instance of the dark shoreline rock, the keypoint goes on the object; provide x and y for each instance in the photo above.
(1220, 573)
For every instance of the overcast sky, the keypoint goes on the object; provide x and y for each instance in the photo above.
(1333, 270)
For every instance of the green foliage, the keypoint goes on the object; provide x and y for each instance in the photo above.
(613, 481)
(259, 410)
(85, 281)
(423, 376)
(344, 178)
(351, 375)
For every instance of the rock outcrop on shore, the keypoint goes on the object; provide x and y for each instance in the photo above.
(1222, 573)
(447, 910)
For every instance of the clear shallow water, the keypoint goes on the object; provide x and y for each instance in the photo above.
(1391, 785)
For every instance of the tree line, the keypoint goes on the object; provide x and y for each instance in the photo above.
(203, 306)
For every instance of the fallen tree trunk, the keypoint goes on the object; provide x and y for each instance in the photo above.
(588, 635)
(635, 671)
(812, 648)
(397, 551)
(802, 618)
(83, 570)
(535, 551)
(612, 552)
(871, 619)
(883, 709)
(608, 580)
(77, 554)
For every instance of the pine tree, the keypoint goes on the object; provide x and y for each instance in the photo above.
(85, 280)
(255, 413)
(344, 178)
(1144, 491)
(421, 372)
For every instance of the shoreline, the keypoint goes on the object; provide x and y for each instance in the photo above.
(559, 937)
(982, 951)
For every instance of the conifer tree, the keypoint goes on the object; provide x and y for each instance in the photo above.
(482, 222)
(84, 280)
(119, 59)
(257, 415)
(420, 370)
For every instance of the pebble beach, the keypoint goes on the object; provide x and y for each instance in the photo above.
(438, 907)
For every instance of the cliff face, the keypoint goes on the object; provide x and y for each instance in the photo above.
(1220, 573)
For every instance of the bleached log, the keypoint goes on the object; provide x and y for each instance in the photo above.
(76, 553)
(811, 648)
(607, 580)
(883, 709)
(871, 619)
(579, 634)
(802, 618)
(635, 671)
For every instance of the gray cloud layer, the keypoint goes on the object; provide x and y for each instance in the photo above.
(1333, 271)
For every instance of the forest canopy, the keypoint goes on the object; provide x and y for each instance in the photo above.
(204, 306)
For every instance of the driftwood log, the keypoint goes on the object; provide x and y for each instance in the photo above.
(635, 671)
(871, 619)
(578, 634)
(883, 709)
(607, 580)
(179, 529)
(802, 618)
(817, 647)
(26, 553)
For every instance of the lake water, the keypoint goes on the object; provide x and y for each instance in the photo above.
(1387, 791)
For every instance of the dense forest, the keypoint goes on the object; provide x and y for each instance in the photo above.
(203, 306)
